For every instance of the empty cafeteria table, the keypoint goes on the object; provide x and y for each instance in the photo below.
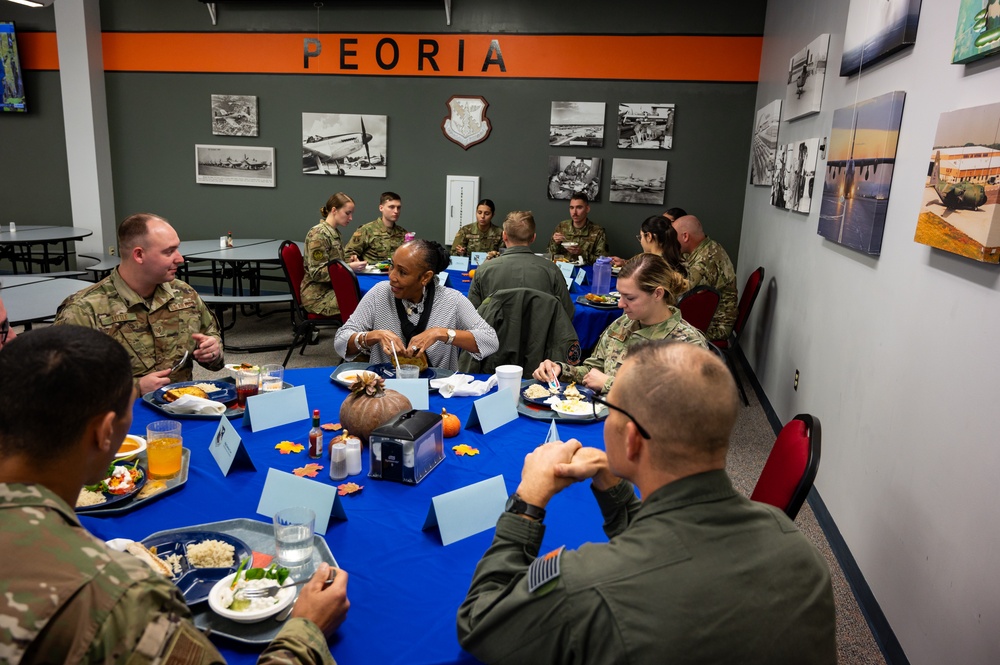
(17, 245)
(37, 301)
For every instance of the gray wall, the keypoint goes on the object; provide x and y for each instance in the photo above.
(156, 119)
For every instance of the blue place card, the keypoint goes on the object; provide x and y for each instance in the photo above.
(553, 434)
(276, 407)
(468, 510)
(567, 269)
(459, 263)
(581, 277)
(492, 411)
(442, 278)
(286, 490)
(478, 258)
(415, 390)
(227, 448)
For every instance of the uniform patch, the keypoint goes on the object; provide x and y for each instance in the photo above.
(574, 354)
(544, 569)
(318, 255)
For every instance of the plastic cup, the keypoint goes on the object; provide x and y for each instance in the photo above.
(408, 372)
(272, 377)
(293, 536)
(509, 376)
(164, 444)
(247, 385)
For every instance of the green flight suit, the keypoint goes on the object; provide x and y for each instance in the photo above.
(373, 242)
(472, 239)
(709, 264)
(593, 241)
(516, 268)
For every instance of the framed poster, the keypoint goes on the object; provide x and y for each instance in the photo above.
(245, 166)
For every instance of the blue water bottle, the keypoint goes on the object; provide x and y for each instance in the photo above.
(602, 276)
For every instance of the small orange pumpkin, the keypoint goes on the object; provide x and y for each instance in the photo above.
(472, 273)
(452, 425)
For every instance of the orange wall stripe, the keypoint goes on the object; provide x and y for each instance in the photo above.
(614, 57)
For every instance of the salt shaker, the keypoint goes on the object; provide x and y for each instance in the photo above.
(338, 461)
(353, 455)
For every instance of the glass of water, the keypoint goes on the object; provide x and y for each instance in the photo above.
(272, 377)
(293, 536)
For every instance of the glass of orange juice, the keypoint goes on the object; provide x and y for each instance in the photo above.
(163, 448)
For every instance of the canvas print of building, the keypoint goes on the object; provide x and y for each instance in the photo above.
(638, 181)
(960, 212)
(646, 126)
(344, 144)
(859, 168)
(234, 115)
(877, 29)
(574, 174)
(764, 144)
(794, 175)
(574, 124)
(977, 34)
(806, 74)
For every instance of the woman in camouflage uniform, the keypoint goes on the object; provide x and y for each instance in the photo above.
(648, 290)
(657, 236)
(323, 244)
(482, 236)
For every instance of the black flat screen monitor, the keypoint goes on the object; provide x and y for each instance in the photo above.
(11, 83)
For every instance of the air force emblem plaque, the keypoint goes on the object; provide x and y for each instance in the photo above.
(466, 123)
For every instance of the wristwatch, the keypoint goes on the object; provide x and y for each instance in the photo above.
(519, 506)
(451, 337)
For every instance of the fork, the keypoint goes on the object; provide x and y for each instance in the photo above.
(272, 591)
(181, 362)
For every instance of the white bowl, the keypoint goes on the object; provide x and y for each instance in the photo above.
(284, 598)
(560, 409)
(352, 375)
(567, 245)
(129, 454)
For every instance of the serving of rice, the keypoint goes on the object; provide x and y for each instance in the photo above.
(89, 498)
(211, 554)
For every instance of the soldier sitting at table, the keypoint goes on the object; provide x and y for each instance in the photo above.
(377, 240)
(709, 264)
(68, 597)
(141, 304)
(589, 238)
(481, 235)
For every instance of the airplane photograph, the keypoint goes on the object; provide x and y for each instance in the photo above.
(959, 212)
(638, 181)
(646, 126)
(806, 74)
(576, 124)
(234, 115)
(248, 166)
(344, 144)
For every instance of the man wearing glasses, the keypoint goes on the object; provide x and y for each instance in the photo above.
(692, 573)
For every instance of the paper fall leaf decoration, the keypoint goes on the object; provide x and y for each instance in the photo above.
(464, 449)
(349, 488)
(330, 427)
(289, 447)
(308, 470)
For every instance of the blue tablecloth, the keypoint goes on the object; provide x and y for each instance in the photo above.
(405, 587)
(589, 322)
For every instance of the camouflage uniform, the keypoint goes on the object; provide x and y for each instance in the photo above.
(709, 264)
(372, 242)
(609, 354)
(593, 241)
(323, 244)
(70, 599)
(471, 239)
(154, 335)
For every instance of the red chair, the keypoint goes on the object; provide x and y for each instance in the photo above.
(306, 324)
(345, 286)
(791, 467)
(750, 292)
(698, 306)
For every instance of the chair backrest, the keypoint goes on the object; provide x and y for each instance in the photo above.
(345, 286)
(698, 306)
(750, 292)
(791, 467)
(292, 265)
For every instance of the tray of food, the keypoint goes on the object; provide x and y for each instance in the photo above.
(572, 403)
(378, 268)
(232, 411)
(600, 302)
(259, 537)
(124, 481)
(154, 489)
(217, 391)
(195, 559)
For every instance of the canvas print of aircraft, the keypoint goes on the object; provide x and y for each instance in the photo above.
(875, 30)
(344, 144)
(959, 212)
(806, 74)
(977, 33)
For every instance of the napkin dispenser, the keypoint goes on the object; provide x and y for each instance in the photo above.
(406, 448)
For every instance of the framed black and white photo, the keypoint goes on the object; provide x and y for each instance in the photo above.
(574, 174)
(246, 166)
(795, 175)
(806, 74)
(575, 124)
(344, 144)
(646, 126)
(764, 143)
(234, 115)
(638, 181)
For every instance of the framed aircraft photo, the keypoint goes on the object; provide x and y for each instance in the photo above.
(960, 212)
(574, 174)
(234, 115)
(638, 181)
(875, 30)
(245, 166)
(859, 167)
(576, 124)
(806, 74)
(794, 175)
(646, 126)
(977, 33)
(344, 144)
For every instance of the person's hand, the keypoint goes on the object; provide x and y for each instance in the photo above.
(325, 606)
(358, 266)
(617, 262)
(539, 482)
(208, 350)
(154, 380)
(459, 250)
(547, 371)
(420, 343)
(387, 338)
(594, 379)
(558, 237)
(574, 250)
(589, 463)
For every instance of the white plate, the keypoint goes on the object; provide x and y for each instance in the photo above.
(567, 245)
(284, 598)
(352, 375)
(586, 412)
(141, 442)
(236, 368)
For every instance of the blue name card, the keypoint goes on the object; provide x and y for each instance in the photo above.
(442, 278)
(492, 411)
(468, 510)
(478, 258)
(286, 490)
(581, 277)
(227, 448)
(415, 390)
(553, 434)
(459, 263)
(276, 407)
(567, 269)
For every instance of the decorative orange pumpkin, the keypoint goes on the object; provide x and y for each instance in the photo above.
(452, 425)
(370, 406)
(472, 273)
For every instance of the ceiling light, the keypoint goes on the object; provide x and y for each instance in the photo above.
(32, 3)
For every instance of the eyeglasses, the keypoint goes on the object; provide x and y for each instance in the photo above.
(4, 331)
(638, 236)
(600, 400)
